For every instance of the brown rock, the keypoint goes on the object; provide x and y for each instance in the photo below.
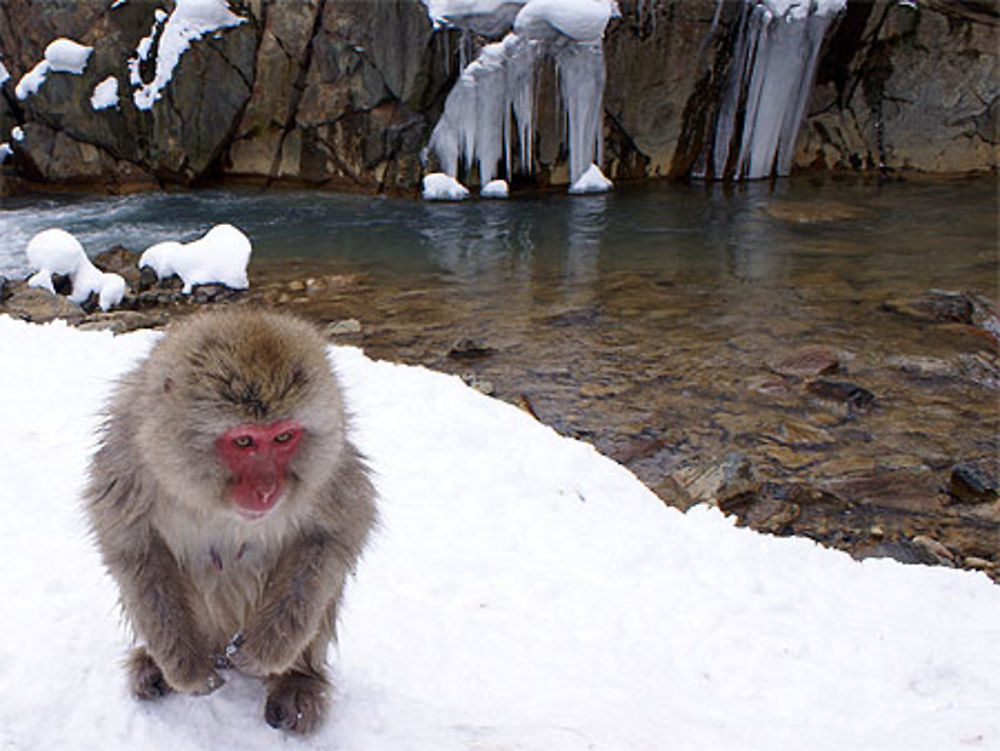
(719, 481)
(41, 306)
(976, 481)
(806, 361)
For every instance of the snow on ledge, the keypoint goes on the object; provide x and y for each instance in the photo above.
(189, 21)
(61, 56)
(105, 94)
(220, 257)
(495, 189)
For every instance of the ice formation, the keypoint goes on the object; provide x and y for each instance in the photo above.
(55, 251)
(5, 152)
(61, 56)
(220, 257)
(189, 21)
(4, 73)
(491, 108)
(774, 63)
(105, 94)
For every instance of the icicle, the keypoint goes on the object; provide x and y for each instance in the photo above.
(773, 67)
(476, 130)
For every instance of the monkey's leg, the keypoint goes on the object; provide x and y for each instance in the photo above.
(145, 677)
(155, 597)
(296, 701)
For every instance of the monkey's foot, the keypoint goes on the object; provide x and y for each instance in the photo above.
(145, 676)
(295, 702)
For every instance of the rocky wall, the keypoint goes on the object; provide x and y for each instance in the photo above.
(344, 94)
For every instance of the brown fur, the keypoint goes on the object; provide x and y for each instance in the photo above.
(202, 586)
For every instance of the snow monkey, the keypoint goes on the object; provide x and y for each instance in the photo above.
(230, 506)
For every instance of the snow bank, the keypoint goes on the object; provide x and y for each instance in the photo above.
(61, 56)
(491, 108)
(189, 22)
(523, 592)
(220, 257)
(105, 94)
(55, 251)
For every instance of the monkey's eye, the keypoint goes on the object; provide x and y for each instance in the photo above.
(284, 437)
(243, 442)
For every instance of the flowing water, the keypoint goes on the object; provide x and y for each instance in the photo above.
(653, 321)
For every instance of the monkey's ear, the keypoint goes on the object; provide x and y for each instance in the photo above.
(168, 384)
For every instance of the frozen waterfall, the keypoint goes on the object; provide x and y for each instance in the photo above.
(491, 109)
(774, 63)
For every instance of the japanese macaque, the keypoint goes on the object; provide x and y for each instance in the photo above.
(230, 506)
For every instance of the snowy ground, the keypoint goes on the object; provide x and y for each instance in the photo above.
(523, 593)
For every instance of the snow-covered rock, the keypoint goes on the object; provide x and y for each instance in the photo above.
(220, 257)
(55, 251)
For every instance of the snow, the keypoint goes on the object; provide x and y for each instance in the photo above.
(522, 592)
(591, 181)
(62, 55)
(17, 133)
(491, 107)
(105, 94)
(441, 187)
(55, 251)
(495, 189)
(5, 152)
(66, 56)
(220, 257)
(188, 22)
(4, 74)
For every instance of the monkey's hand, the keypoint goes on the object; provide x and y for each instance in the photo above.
(190, 674)
(300, 592)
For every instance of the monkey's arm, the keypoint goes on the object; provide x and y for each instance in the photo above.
(155, 595)
(303, 589)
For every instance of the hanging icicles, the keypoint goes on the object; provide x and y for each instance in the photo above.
(491, 108)
(774, 63)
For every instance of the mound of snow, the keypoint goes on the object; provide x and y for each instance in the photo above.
(523, 592)
(61, 56)
(55, 251)
(591, 181)
(495, 189)
(441, 187)
(220, 257)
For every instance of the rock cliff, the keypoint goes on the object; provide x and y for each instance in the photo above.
(345, 94)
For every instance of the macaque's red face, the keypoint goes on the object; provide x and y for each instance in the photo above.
(258, 456)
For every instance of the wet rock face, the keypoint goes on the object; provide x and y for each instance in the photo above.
(345, 93)
(907, 86)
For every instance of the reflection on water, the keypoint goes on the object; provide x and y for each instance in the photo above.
(924, 233)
